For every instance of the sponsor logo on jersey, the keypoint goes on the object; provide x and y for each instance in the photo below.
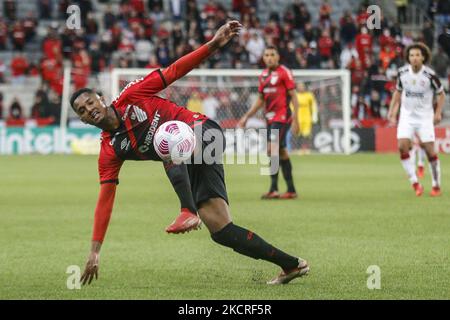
(411, 94)
(151, 132)
(125, 144)
(125, 114)
(269, 90)
(274, 78)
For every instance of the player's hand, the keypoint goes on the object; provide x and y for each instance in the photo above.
(226, 33)
(392, 120)
(91, 269)
(437, 118)
(242, 122)
(295, 127)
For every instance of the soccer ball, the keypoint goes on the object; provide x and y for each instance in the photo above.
(174, 140)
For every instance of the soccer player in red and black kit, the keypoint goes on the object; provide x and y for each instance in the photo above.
(276, 90)
(129, 124)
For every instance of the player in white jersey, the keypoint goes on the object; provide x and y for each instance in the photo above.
(417, 85)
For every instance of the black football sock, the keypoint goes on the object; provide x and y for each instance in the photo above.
(286, 168)
(274, 177)
(250, 244)
(179, 179)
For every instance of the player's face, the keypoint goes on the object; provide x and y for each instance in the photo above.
(271, 58)
(416, 58)
(90, 108)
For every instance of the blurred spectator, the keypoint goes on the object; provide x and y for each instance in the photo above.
(440, 63)
(313, 57)
(194, 102)
(52, 44)
(3, 34)
(9, 9)
(29, 26)
(144, 50)
(375, 104)
(45, 9)
(325, 45)
(163, 54)
(175, 7)
(363, 43)
(19, 66)
(348, 28)
(109, 18)
(98, 61)
(1, 106)
(62, 8)
(442, 16)
(361, 110)
(428, 34)
(2, 71)
(85, 8)
(255, 48)
(301, 15)
(325, 13)
(210, 105)
(18, 36)
(153, 62)
(386, 39)
(15, 110)
(347, 55)
(386, 55)
(153, 4)
(81, 68)
(401, 10)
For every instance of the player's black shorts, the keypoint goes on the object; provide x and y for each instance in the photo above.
(282, 133)
(207, 178)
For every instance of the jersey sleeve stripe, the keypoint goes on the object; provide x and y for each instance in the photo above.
(162, 78)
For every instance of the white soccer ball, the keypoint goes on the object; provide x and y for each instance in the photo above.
(174, 140)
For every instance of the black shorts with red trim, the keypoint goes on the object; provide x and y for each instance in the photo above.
(281, 134)
(206, 173)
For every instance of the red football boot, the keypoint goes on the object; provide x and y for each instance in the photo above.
(435, 192)
(289, 195)
(418, 188)
(270, 195)
(185, 222)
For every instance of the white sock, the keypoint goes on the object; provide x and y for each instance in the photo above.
(409, 167)
(435, 169)
(421, 157)
(412, 155)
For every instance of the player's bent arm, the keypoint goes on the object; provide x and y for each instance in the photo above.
(259, 103)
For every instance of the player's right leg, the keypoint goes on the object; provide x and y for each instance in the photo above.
(216, 216)
(435, 169)
(404, 146)
(273, 154)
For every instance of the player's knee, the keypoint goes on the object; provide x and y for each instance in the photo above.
(284, 155)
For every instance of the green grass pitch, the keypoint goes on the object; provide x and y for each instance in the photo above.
(354, 211)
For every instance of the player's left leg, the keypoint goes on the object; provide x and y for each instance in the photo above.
(427, 136)
(216, 216)
(286, 165)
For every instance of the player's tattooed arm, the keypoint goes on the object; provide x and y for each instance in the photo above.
(295, 124)
(259, 103)
(393, 108)
(439, 105)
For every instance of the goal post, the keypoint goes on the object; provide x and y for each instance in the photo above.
(226, 94)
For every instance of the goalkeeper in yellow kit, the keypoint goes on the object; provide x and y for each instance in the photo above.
(307, 114)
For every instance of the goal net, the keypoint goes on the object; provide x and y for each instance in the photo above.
(225, 95)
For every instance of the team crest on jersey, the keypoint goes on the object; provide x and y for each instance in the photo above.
(139, 114)
(274, 78)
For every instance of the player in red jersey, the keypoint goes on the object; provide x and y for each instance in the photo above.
(276, 90)
(129, 124)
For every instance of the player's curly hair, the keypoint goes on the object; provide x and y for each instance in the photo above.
(426, 52)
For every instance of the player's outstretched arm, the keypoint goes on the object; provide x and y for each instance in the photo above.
(253, 109)
(101, 220)
(188, 62)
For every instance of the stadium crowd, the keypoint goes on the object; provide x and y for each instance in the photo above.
(142, 34)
